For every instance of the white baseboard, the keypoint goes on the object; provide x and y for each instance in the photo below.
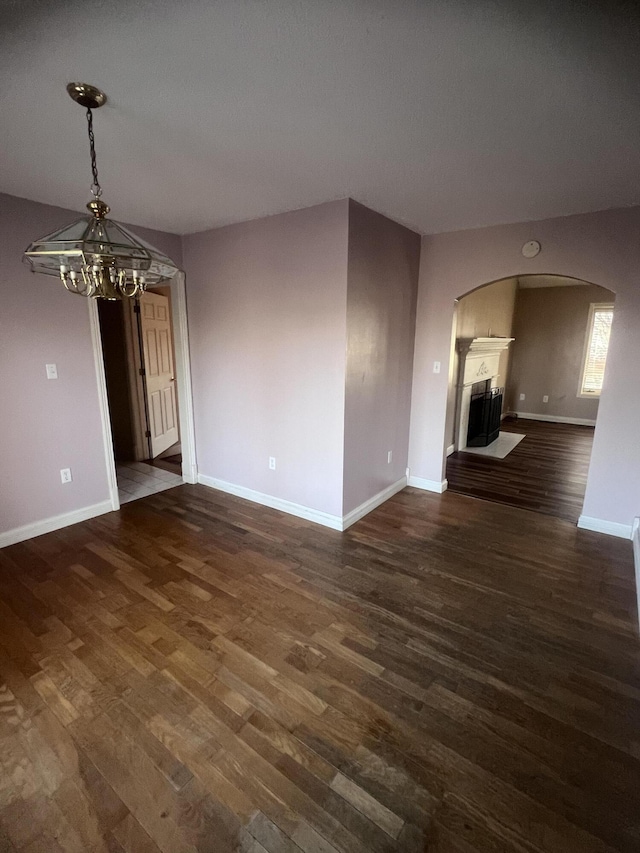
(335, 522)
(555, 419)
(451, 449)
(635, 538)
(438, 486)
(56, 522)
(600, 525)
(366, 507)
(324, 518)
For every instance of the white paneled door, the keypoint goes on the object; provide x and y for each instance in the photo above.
(155, 321)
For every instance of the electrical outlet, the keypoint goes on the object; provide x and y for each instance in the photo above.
(389, 457)
(436, 367)
(65, 475)
(522, 396)
(545, 399)
(272, 463)
(52, 371)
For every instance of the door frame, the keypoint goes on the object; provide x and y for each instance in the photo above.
(183, 379)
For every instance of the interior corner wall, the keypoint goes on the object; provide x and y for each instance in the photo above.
(267, 324)
(602, 248)
(382, 286)
(47, 424)
(550, 330)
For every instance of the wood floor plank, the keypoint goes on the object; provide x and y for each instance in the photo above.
(365, 803)
(451, 675)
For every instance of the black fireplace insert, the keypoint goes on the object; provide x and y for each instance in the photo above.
(484, 417)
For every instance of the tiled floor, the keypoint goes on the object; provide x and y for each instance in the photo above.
(137, 480)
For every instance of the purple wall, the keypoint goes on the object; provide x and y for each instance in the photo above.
(47, 424)
(267, 324)
(269, 305)
(384, 258)
(550, 327)
(601, 248)
(302, 330)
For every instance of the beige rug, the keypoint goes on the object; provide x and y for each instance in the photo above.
(498, 449)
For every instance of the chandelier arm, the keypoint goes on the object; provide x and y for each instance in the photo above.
(73, 286)
(89, 287)
(96, 189)
(129, 289)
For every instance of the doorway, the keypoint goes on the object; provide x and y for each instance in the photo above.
(142, 364)
(539, 342)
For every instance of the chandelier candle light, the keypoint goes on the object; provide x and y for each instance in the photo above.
(95, 256)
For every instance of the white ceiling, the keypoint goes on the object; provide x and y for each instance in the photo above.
(443, 115)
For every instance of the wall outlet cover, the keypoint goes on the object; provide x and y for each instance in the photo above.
(522, 396)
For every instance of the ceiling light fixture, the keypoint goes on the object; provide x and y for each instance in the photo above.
(95, 256)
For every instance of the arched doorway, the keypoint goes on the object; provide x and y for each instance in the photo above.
(600, 248)
(525, 377)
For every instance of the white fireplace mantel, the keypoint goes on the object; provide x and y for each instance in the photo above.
(479, 362)
(494, 344)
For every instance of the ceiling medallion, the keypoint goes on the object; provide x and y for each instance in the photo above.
(95, 256)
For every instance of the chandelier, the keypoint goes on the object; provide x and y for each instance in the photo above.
(95, 256)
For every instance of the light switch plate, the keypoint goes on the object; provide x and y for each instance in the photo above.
(52, 371)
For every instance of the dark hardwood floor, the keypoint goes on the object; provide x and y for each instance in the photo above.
(198, 673)
(546, 472)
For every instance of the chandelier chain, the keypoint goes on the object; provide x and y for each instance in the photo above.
(96, 189)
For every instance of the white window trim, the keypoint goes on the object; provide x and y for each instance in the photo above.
(595, 306)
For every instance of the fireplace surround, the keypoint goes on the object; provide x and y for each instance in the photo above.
(479, 362)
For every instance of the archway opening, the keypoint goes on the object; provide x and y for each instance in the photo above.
(526, 373)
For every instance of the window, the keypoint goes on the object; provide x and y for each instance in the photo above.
(595, 353)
